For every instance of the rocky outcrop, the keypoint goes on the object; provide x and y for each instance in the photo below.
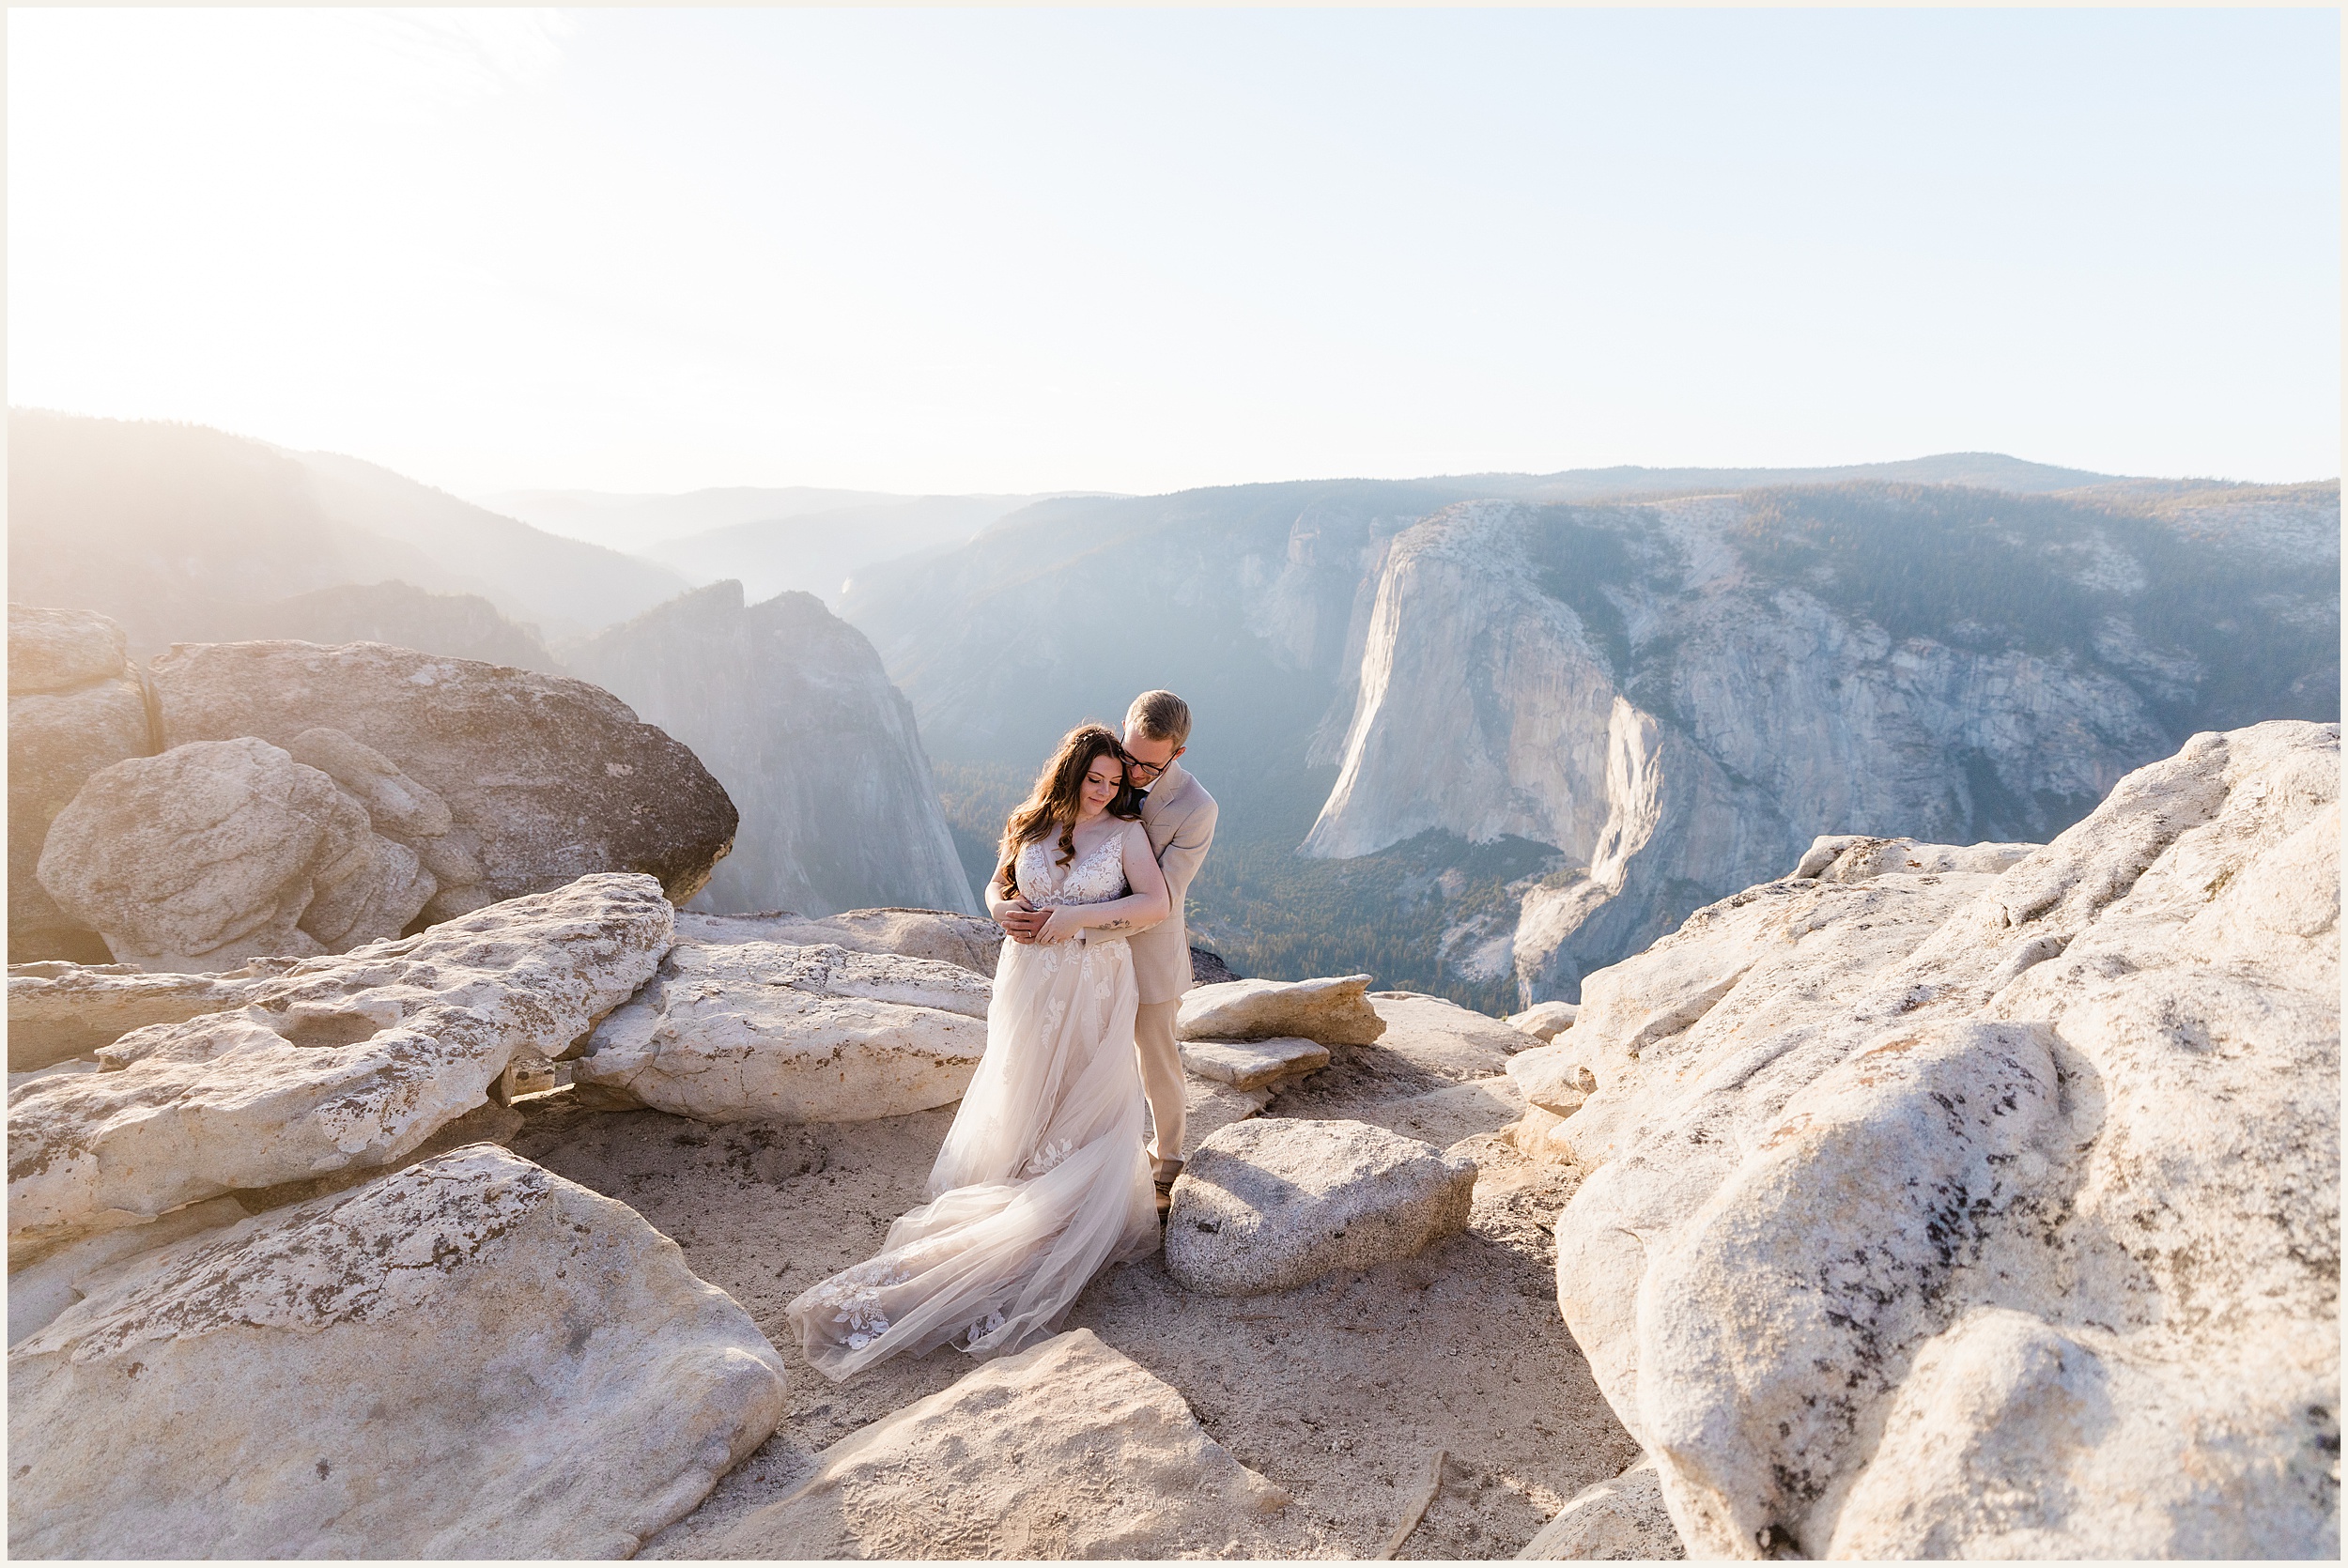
(757, 1031)
(1273, 1203)
(1438, 1035)
(338, 1062)
(1553, 1079)
(971, 941)
(1331, 1011)
(472, 1357)
(42, 1289)
(1939, 1210)
(544, 779)
(75, 706)
(1207, 968)
(223, 851)
(1437, 1073)
(1597, 680)
(788, 705)
(1068, 1450)
(1442, 1116)
(63, 649)
(1544, 1021)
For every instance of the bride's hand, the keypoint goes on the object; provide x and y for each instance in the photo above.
(1059, 926)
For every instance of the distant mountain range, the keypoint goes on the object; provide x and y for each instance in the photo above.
(1476, 734)
(186, 534)
(182, 534)
(1516, 737)
(1983, 470)
(771, 542)
(816, 541)
(635, 523)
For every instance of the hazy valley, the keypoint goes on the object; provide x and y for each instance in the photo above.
(1478, 736)
(1483, 746)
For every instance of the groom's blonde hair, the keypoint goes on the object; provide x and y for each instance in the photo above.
(1161, 715)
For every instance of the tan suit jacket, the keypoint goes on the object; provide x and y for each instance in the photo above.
(1179, 817)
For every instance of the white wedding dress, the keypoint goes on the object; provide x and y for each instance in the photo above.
(1042, 1179)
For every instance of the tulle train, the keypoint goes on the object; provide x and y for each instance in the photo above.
(1041, 1181)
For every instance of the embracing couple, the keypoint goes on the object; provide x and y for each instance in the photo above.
(1069, 1136)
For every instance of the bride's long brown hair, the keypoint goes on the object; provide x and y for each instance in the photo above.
(1059, 796)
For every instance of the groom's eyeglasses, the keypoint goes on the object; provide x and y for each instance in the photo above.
(1145, 772)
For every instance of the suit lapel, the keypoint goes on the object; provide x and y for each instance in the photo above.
(1169, 813)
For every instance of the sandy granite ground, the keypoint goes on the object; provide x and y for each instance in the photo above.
(1339, 1390)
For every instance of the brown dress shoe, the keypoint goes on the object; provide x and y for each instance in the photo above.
(1166, 1189)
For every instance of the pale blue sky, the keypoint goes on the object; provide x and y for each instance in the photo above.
(973, 249)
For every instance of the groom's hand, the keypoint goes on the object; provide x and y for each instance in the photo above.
(1021, 921)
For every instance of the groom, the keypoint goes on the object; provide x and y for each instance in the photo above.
(1177, 814)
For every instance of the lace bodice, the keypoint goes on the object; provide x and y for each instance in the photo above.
(1091, 878)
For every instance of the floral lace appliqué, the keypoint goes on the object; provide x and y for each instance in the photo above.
(1048, 1156)
(1095, 878)
(853, 1296)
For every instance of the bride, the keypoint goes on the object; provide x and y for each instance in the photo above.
(1043, 1179)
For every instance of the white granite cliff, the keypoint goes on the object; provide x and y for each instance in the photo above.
(1622, 683)
(789, 707)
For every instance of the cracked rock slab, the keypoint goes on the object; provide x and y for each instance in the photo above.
(967, 940)
(759, 1031)
(1068, 1450)
(339, 1062)
(472, 1357)
(1272, 1204)
(1334, 1010)
(58, 1010)
(1252, 1064)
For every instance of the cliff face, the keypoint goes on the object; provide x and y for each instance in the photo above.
(1250, 601)
(789, 707)
(1482, 706)
(1680, 695)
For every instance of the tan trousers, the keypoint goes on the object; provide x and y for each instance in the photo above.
(1160, 1080)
